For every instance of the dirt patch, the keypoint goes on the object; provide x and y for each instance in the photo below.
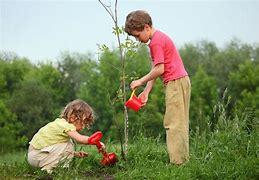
(108, 177)
(101, 175)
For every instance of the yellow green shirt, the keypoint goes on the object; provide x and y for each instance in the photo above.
(52, 133)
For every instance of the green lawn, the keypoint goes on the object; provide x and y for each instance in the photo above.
(218, 156)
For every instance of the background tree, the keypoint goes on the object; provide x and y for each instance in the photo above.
(37, 100)
(227, 61)
(69, 67)
(244, 87)
(12, 72)
(203, 98)
(10, 129)
(198, 54)
(102, 88)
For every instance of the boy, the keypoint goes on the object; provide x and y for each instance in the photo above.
(167, 63)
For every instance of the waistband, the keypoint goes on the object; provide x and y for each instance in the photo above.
(176, 79)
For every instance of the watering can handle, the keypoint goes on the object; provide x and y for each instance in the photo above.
(132, 94)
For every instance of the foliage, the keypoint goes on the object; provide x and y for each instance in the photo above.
(199, 54)
(244, 85)
(35, 94)
(218, 63)
(203, 98)
(101, 90)
(12, 72)
(32, 104)
(10, 138)
(69, 83)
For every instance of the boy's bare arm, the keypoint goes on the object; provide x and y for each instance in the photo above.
(149, 86)
(155, 72)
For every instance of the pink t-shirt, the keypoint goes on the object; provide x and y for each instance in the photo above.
(163, 51)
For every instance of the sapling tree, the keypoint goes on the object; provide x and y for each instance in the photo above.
(126, 48)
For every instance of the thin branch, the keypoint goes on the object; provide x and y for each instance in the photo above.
(108, 9)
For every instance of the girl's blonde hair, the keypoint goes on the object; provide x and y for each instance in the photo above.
(80, 110)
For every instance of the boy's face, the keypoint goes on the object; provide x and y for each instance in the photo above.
(144, 35)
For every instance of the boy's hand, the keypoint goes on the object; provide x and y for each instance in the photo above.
(135, 84)
(143, 97)
(80, 154)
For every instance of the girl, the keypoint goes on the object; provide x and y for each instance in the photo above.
(52, 144)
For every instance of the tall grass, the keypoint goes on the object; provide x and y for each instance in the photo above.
(230, 151)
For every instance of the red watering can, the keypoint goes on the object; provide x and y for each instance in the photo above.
(134, 102)
(108, 158)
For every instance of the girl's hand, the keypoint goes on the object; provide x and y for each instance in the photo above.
(80, 154)
(103, 145)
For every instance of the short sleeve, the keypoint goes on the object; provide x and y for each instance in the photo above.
(64, 126)
(157, 54)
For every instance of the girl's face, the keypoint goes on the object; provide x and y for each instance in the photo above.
(144, 35)
(79, 125)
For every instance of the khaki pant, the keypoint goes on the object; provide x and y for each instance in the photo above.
(49, 157)
(176, 120)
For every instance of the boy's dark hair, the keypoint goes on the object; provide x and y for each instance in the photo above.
(136, 21)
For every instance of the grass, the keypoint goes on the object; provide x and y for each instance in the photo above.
(229, 152)
(219, 155)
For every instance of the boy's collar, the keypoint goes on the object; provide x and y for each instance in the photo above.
(150, 39)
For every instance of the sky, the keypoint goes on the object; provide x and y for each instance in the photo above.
(41, 30)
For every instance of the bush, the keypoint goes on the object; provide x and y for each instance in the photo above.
(10, 128)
